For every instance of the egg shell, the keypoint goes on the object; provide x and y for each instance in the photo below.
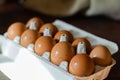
(101, 55)
(53, 28)
(87, 44)
(39, 22)
(81, 65)
(69, 36)
(29, 37)
(62, 51)
(15, 29)
(43, 44)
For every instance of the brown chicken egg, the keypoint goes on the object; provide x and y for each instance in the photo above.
(43, 44)
(62, 51)
(81, 65)
(35, 22)
(87, 44)
(53, 28)
(69, 36)
(15, 29)
(29, 37)
(101, 55)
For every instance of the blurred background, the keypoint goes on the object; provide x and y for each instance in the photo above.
(99, 24)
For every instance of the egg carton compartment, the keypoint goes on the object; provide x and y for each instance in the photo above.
(24, 64)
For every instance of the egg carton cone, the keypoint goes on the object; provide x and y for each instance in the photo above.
(19, 63)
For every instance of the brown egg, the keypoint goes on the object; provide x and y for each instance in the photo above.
(28, 37)
(87, 44)
(68, 35)
(81, 65)
(101, 55)
(62, 51)
(15, 29)
(53, 28)
(38, 22)
(43, 44)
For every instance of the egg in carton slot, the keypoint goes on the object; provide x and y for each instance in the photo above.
(27, 57)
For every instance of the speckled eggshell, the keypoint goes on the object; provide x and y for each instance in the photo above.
(101, 55)
(15, 29)
(87, 44)
(69, 36)
(39, 22)
(81, 65)
(62, 51)
(28, 37)
(43, 44)
(53, 28)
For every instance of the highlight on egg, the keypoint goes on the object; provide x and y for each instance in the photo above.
(81, 64)
(29, 37)
(44, 43)
(62, 51)
(69, 36)
(85, 40)
(53, 28)
(101, 55)
(34, 23)
(15, 29)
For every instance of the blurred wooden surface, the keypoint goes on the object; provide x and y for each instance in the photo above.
(99, 25)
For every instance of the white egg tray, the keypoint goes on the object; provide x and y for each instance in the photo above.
(19, 63)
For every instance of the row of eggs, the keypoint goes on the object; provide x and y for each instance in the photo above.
(79, 53)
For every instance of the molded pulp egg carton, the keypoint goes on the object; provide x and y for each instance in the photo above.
(19, 63)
